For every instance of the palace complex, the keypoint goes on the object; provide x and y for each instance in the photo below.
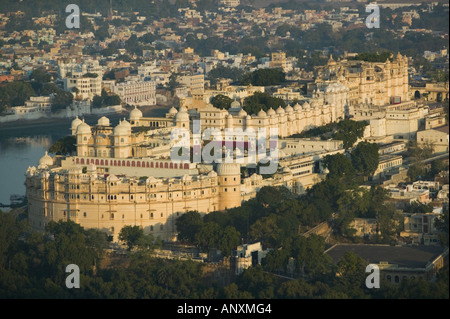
(126, 175)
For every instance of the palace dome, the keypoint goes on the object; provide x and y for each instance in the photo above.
(83, 128)
(135, 114)
(235, 104)
(242, 113)
(271, 112)
(122, 129)
(182, 115)
(261, 113)
(75, 123)
(173, 110)
(46, 160)
(289, 109)
(103, 121)
(280, 110)
(226, 169)
(297, 107)
(126, 124)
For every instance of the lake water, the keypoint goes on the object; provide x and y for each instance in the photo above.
(22, 145)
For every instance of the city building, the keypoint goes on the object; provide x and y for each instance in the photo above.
(136, 93)
(84, 78)
(397, 263)
(437, 137)
(248, 255)
(376, 83)
(125, 175)
(34, 104)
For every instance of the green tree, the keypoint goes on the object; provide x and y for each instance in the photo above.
(64, 146)
(15, 94)
(105, 99)
(228, 240)
(349, 132)
(173, 82)
(264, 77)
(418, 208)
(352, 204)
(224, 72)
(309, 257)
(266, 231)
(97, 101)
(338, 165)
(40, 75)
(442, 225)
(276, 260)
(351, 275)
(260, 284)
(271, 196)
(188, 225)
(207, 236)
(261, 101)
(131, 235)
(365, 158)
(221, 101)
(389, 223)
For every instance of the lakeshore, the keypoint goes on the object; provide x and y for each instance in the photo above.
(24, 142)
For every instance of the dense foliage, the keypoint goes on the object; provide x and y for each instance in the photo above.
(261, 101)
(64, 146)
(264, 77)
(33, 265)
(221, 101)
(105, 99)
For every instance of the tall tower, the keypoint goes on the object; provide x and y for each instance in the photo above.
(229, 177)
(122, 136)
(83, 134)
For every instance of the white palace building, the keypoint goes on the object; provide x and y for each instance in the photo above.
(124, 175)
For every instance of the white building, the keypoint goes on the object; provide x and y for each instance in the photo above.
(85, 76)
(139, 92)
(74, 69)
(87, 87)
(35, 104)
